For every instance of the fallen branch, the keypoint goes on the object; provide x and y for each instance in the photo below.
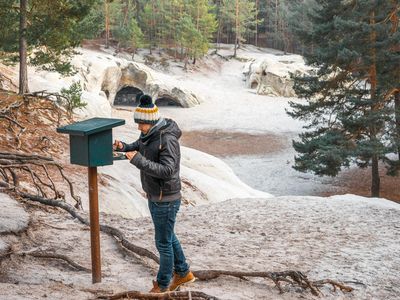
(186, 295)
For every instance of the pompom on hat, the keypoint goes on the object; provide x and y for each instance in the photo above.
(146, 112)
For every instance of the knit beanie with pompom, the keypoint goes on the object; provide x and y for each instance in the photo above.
(146, 112)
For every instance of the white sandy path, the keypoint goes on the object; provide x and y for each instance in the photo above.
(346, 238)
(228, 105)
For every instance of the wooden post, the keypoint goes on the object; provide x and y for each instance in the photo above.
(94, 225)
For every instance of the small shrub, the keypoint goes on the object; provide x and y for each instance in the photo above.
(72, 97)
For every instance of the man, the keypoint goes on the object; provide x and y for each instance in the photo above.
(157, 154)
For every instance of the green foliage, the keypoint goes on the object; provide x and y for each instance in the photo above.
(129, 35)
(349, 110)
(93, 24)
(185, 24)
(52, 31)
(9, 22)
(72, 97)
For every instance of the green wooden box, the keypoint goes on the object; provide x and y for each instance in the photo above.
(91, 141)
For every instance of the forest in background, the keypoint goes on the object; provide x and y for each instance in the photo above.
(187, 26)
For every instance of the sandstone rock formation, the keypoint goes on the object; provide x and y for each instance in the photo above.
(13, 219)
(102, 77)
(270, 75)
(111, 75)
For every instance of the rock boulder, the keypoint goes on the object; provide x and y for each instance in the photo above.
(270, 75)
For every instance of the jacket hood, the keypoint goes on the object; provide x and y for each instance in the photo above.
(164, 126)
(171, 128)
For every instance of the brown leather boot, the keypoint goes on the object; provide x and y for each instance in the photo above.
(177, 281)
(156, 289)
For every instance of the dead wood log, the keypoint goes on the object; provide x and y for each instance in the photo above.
(186, 295)
(295, 278)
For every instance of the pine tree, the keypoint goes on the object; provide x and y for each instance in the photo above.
(125, 28)
(240, 15)
(149, 24)
(391, 76)
(93, 24)
(347, 107)
(205, 23)
(46, 35)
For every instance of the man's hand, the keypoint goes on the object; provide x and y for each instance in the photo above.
(130, 155)
(117, 145)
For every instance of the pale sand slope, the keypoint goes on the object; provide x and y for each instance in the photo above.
(346, 238)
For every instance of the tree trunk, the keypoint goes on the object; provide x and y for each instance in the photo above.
(395, 26)
(107, 19)
(219, 27)
(397, 117)
(276, 24)
(23, 45)
(256, 37)
(182, 51)
(375, 183)
(237, 28)
(186, 62)
(125, 11)
(198, 16)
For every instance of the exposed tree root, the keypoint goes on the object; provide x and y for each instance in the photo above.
(6, 81)
(31, 169)
(291, 277)
(116, 233)
(54, 98)
(295, 278)
(45, 254)
(186, 295)
(335, 284)
(23, 116)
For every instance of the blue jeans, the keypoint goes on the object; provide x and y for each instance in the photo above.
(168, 246)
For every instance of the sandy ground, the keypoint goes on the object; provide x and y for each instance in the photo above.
(272, 155)
(225, 143)
(342, 238)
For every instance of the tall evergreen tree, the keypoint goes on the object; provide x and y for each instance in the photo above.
(241, 17)
(46, 35)
(349, 109)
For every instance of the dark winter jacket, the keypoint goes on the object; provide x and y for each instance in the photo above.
(158, 159)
